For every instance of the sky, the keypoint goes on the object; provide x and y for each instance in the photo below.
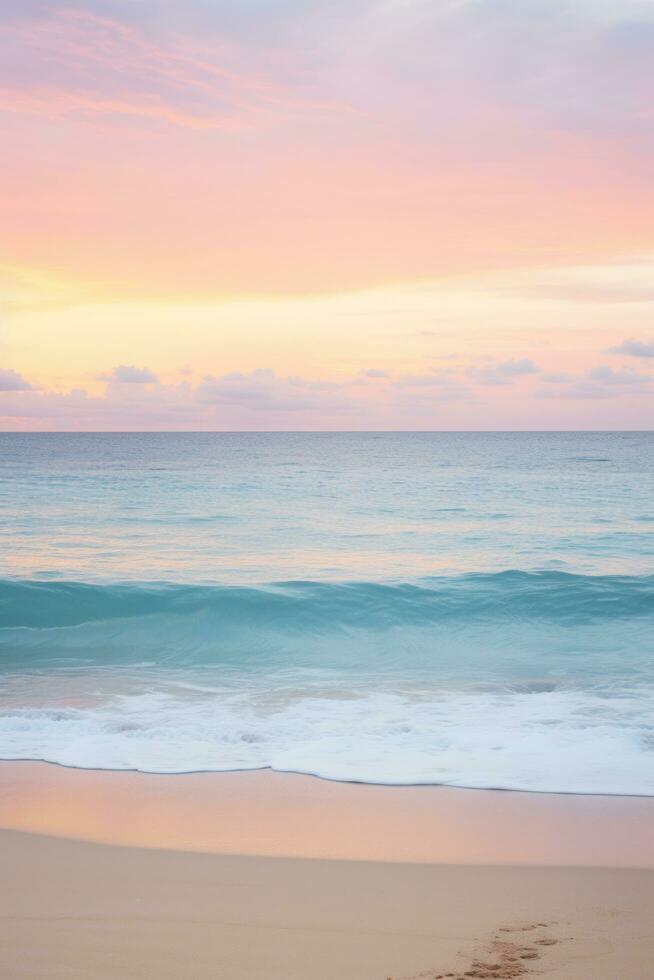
(326, 214)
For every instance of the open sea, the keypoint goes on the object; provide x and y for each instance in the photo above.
(472, 609)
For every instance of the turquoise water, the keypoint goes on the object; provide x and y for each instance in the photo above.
(474, 609)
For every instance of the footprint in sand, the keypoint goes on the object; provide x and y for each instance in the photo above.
(527, 928)
(505, 958)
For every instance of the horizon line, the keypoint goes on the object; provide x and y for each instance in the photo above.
(307, 432)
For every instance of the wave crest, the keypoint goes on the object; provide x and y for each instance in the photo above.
(550, 595)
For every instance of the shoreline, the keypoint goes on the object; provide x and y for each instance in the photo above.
(329, 779)
(268, 813)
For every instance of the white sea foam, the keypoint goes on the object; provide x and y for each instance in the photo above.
(561, 740)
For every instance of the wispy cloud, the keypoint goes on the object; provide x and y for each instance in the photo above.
(608, 375)
(505, 372)
(129, 374)
(634, 348)
(263, 399)
(264, 391)
(597, 383)
(134, 399)
(72, 61)
(13, 381)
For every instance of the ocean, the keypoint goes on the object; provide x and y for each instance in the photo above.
(469, 609)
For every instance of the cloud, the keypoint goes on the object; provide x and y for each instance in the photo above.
(506, 372)
(121, 408)
(375, 373)
(634, 348)
(263, 391)
(419, 391)
(13, 381)
(262, 400)
(599, 382)
(213, 65)
(254, 400)
(556, 377)
(476, 60)
(128, 374)
(135, 400)
(80, 63)
(607, 375)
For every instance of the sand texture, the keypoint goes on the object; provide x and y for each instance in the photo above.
(85, 910)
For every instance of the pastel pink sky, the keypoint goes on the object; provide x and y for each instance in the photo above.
(308, 214)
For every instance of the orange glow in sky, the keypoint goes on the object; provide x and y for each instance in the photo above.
(300, 214)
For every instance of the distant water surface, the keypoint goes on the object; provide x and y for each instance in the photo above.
(474, 608)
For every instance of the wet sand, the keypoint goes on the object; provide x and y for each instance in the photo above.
(288, 815)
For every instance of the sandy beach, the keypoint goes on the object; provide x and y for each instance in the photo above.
(292, 896)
